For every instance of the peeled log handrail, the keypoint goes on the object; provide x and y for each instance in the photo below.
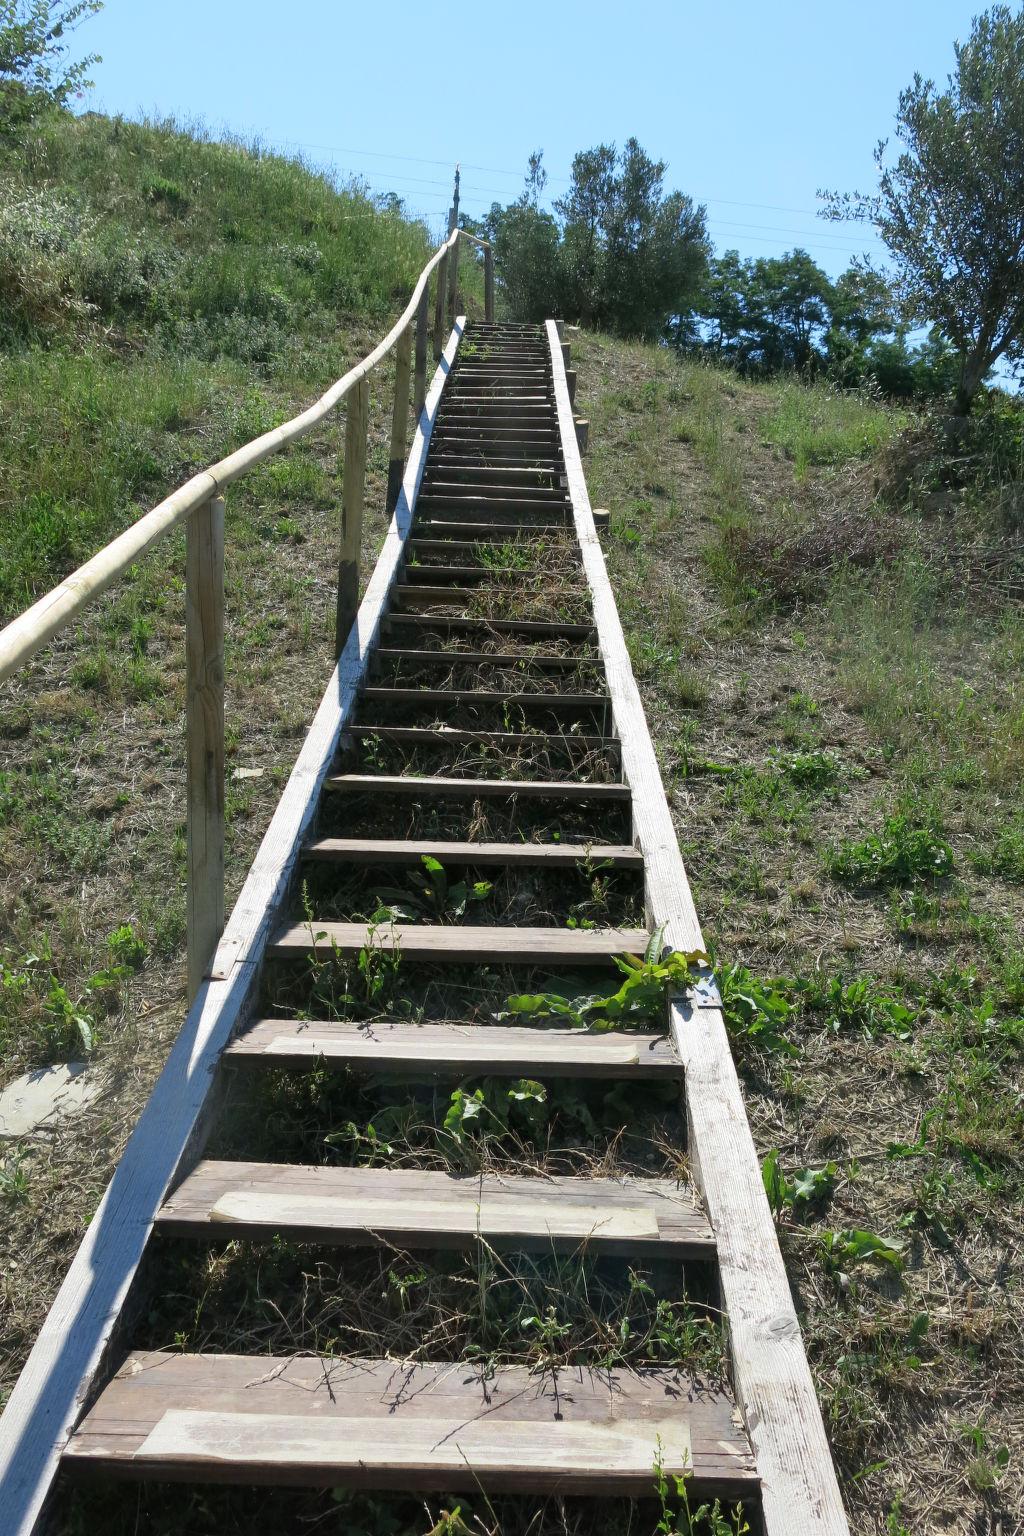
(200, 502)
(46, 618)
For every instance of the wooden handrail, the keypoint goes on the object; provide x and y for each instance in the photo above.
(200, 500)
(52, 613)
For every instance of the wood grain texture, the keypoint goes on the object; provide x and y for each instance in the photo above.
(413, 1209)
(399, 419)
(773, 1383)
(453, 1050)
(370, 851)
(204, 736)
(463, 944)
(394, 1425)
(69, 1351)
(353, 495)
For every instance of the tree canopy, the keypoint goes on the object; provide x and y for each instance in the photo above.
(618, 252)
(34, 70)
(950, 206)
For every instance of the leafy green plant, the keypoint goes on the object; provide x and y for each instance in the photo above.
(816, 770)
(988, 1462)
(431, 895)
(756, 1010)
(643, 995)
(681, 1518)
(14, 1179)
(494, 1107)
(899, 854)
(858, 1004)
(806, 1186)
(841, 1251)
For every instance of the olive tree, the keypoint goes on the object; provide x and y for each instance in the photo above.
(950, 204)
(34, 68)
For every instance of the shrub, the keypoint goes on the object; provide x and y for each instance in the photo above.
(900, 854)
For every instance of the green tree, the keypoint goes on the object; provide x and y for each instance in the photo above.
(34, 69)
(526, 254)
(632, 257)
(950, 206)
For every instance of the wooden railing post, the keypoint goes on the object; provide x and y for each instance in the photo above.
(400, 418)
(352, 495)
(439, 305)
(422, 329)
(204, 733)
(453, 282)
(488, 285)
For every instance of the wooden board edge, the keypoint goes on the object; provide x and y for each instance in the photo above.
(772, 1379)
(68, 1355)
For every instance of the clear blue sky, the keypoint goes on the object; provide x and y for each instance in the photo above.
(754, 106)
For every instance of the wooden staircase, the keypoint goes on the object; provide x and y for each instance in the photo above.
(486, 684)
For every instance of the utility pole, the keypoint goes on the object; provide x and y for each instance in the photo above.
(453, 255)
(453, 214)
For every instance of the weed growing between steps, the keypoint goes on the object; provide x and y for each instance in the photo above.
(522, 676)
(430, 815)
(555, 757)
(470, 1125)
(591, 895)
(833, 684)
(173, 1510)
(485, 1308)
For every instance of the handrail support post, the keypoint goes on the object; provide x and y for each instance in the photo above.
(489, 284)
(204, 732)
(399, 418)
(352, 499)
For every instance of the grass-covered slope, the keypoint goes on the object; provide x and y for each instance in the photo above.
(163, 299)
(159, 295)
(833, 677)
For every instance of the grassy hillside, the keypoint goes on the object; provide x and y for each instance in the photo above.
(833, 675)
(825, 623)
(163, 298)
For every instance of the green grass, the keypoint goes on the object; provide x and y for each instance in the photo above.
(166, 297)
(813, 424)
(849, 800)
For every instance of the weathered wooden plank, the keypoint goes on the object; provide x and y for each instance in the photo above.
(461, 944)
(475, 789)
(352, 501)
(369, 850)
(412, 1209)
(204, 736)
(454, 1050)
(399, 419)
(773, 1382)
(385, 1424)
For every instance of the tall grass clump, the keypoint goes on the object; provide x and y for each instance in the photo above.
(813, 424)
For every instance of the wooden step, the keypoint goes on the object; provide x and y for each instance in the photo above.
(384, 1424)
(369, 850)
(459, 944)
(454, 1050)
(475, 789)
(414, 1209)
